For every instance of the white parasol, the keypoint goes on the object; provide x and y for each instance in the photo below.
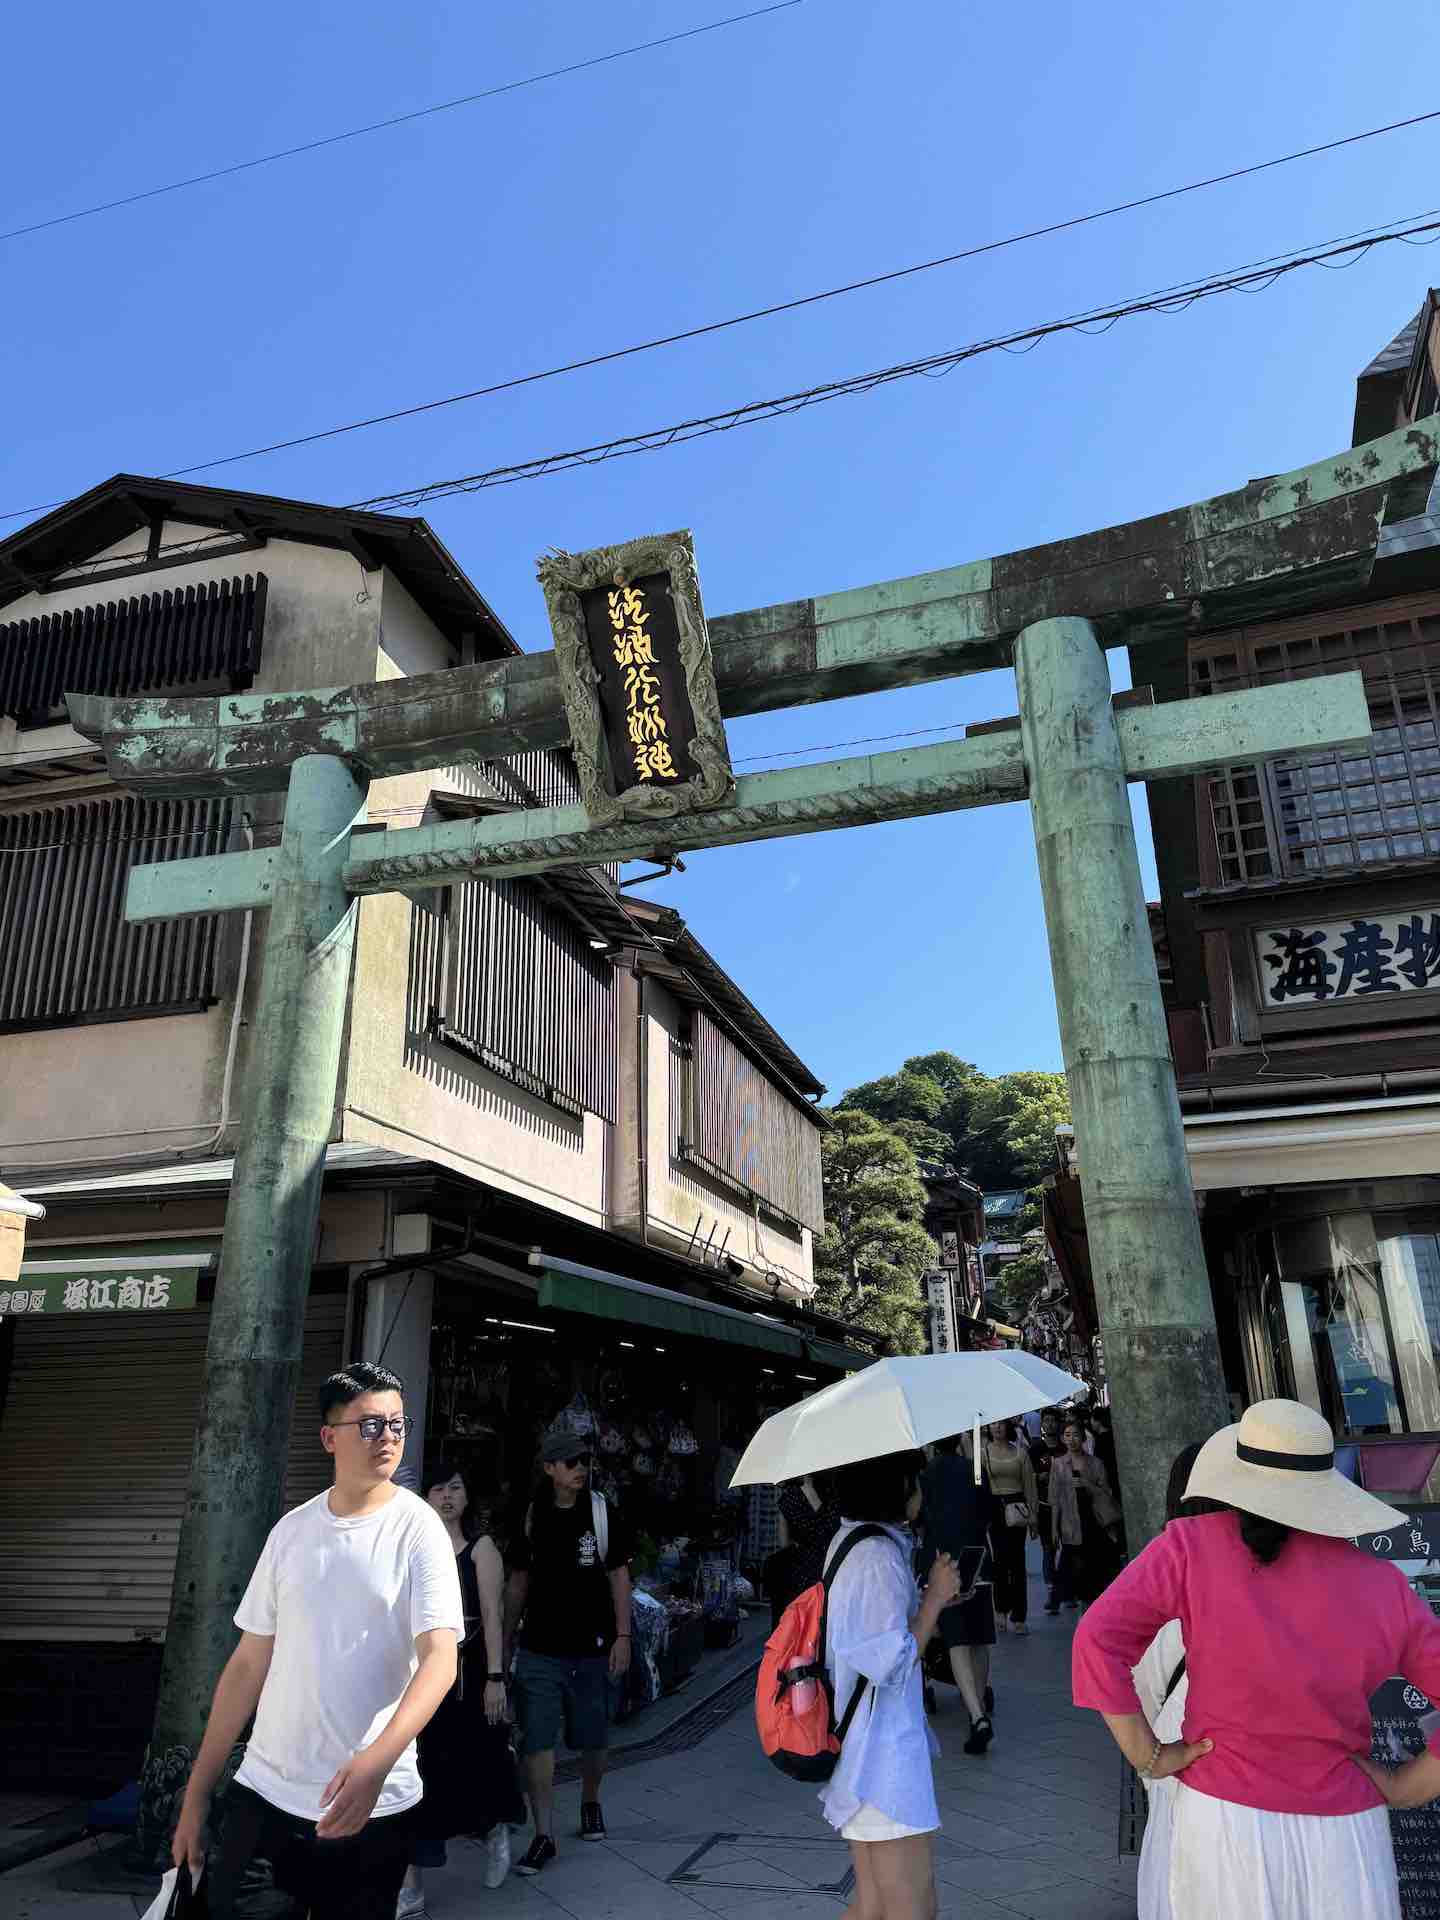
(897, 1405)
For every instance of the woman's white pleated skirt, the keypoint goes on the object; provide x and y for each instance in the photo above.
(1208, 1859)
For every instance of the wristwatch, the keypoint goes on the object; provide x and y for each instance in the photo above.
(497, 1678)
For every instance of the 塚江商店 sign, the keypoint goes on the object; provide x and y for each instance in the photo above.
(137, 1289)
(1381, 954)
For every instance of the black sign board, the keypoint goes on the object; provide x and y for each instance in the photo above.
(632, 654)
(1417, 1539)
(645, 708)
(1402, 1720)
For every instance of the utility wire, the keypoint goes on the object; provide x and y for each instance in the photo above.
(395, 120)
(1094, 320)
(757, 313)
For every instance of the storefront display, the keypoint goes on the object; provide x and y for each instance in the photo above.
(665, 1419)
(1403, 1720)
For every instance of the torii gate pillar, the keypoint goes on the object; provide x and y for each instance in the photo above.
(1152, 1287)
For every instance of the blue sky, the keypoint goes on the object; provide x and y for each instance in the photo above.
(823, 143)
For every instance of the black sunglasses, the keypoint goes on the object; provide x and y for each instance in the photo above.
(575, 1460)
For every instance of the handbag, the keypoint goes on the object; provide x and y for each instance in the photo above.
(178, 1899)
(1017, 1513)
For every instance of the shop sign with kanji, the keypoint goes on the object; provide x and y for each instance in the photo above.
(138, 1289)
(633, 658)
(944, 1334)
(1387, 953)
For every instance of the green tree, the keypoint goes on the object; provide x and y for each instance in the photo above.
(1017, 1114)
(869, 1261)
(999, 1132)
(1018, 1284)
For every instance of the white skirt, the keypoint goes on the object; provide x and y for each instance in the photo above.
(869, 1823)
(1208, 1859)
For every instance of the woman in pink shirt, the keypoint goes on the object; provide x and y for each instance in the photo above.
(1289, 1630)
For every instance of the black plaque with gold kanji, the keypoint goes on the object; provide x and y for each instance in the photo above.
(634, 641)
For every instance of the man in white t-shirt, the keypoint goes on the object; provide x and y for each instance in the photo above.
(348, 1637)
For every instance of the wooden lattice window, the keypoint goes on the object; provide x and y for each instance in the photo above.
(1315, 813)
(67, 953)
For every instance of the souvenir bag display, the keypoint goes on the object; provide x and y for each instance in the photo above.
(719, 1593)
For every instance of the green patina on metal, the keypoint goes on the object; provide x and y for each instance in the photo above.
(1270, 547)
(1273, 545)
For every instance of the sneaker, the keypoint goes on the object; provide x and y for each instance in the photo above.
(981, 1734)
(989, 1699)
(411, 1903)
(1052, 1606)
(592, 1821)
(497, 1855)
(1018, 1626)
(542, 1851)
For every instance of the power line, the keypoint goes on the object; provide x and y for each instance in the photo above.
(395, 120)
(757, 313)
(1168, 300)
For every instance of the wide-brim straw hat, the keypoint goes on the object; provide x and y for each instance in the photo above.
(1279, 1462)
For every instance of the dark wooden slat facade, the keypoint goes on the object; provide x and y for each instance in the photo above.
(67, 955)
(190, 637)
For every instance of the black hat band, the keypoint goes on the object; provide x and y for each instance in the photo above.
(1291, 1462)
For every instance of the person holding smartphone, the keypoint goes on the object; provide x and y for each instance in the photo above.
(958, 1514)
(881, 1796)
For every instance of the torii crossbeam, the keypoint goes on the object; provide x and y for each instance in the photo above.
(1274, 546)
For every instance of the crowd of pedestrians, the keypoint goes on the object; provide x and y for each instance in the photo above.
(1233, 1661)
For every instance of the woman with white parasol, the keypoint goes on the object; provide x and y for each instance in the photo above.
(868, 1429)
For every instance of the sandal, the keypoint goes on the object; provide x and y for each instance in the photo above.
(981, 1734)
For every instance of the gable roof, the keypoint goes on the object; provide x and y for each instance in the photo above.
(129, 503)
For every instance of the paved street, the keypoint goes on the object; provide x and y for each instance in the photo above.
(1028, 1830)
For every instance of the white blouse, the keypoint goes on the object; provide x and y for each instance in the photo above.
(887, 1759)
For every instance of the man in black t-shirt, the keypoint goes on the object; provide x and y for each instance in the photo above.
(570, 1580)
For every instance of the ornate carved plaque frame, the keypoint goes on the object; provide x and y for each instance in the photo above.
(564, 578)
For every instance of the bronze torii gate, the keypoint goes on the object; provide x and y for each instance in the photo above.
(1273, 546)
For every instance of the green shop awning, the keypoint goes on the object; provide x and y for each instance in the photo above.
(830, 1353)
(126, 1276)
(566, 1288)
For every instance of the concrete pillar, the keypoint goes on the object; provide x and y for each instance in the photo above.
(252, 1360)
(398, 1312)
(1152, 1289)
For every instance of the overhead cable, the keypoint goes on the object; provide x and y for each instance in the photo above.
(394, 120)
(771, 311)
(1094, 320)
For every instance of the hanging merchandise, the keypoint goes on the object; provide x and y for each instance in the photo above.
(576, 1418)
(611, 1439)
(644, 1465)
(642, 1442)
(682, 1441)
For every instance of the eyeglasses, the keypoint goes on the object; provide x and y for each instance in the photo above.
(374, 1424)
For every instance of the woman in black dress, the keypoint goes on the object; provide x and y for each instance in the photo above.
(809, 1521)
(471, 1785)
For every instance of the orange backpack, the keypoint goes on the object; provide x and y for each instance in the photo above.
(794, 1696)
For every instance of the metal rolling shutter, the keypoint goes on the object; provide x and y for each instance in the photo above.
(97, 1434)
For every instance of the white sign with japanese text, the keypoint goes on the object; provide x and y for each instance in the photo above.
(1348, 959)
(108, 1290)
(939, 1287)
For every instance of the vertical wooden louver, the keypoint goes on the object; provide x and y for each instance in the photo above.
(66, 952)
(202, 635)
(747, 1129)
